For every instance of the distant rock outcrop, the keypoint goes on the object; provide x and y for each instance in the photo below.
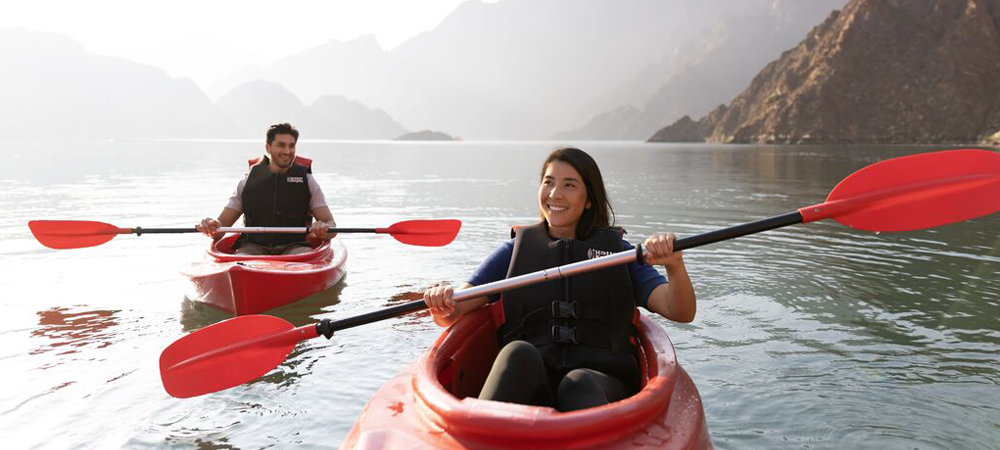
(426, 135)
(683, 130)
(880, 71)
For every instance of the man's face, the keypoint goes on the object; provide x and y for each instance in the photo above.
(282, 150)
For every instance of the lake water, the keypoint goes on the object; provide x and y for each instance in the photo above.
(813, 336)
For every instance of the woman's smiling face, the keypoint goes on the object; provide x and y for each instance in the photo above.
(562, 198)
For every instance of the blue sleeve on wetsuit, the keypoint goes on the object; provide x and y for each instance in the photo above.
(494, 267)
(644, 279)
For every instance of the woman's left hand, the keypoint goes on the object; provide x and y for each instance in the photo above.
(659, 249)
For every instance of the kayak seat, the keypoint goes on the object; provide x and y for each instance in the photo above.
(222, 251)
(464, 372)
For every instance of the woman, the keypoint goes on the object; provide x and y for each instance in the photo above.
(569, 343)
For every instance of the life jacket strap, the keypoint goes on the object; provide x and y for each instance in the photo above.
(576, 310)
(564, 335)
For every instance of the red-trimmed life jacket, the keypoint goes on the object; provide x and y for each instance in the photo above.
(276, 200)
(583, 321)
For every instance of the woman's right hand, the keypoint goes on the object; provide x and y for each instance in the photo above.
(208, 227)
(438, 300)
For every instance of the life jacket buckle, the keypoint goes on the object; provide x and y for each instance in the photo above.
(564, 335)
(564, 310)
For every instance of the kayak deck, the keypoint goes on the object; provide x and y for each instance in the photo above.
(252, 284)
(432, 404)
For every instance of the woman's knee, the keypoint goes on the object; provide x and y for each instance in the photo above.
(586, 388)
(580, 381)
(518, 375)
(520, 354)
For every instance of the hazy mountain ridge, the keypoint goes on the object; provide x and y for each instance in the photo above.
(301, 71)
(880, 71)
(705, 71)
(349, 119)
(513, 69)
(255, 105)
(54, 88)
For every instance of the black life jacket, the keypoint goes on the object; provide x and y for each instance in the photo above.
(276, 200)
(584, 321)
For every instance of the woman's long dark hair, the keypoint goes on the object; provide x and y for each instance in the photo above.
(600, 214)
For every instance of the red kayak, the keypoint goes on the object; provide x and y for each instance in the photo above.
(433, 404)
(253, 284)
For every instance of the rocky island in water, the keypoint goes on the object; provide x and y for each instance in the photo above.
(427, 135)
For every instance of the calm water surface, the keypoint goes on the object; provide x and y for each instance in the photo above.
(812, 336)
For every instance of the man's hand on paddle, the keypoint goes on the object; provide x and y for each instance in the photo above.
(318, 230)
(208, 226)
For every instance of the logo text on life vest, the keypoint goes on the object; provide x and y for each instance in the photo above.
(295, 180)
(591, 253)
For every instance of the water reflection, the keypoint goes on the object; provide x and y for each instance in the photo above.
(196, 315)
(303, 311)
(419, 318)
(74, 329)
(296, 365)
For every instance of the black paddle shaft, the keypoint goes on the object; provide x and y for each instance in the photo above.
(327, 327)
(733, 232)
(138, 231)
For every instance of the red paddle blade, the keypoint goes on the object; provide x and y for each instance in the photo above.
(428, 233)
(63, 234)
(915, 192)
(227, 354)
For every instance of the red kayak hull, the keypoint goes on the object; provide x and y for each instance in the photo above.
(244, 285)
(433, 404)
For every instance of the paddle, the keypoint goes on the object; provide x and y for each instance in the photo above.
(907, 193)
(64, 234)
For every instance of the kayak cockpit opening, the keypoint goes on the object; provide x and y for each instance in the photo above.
(222, 251)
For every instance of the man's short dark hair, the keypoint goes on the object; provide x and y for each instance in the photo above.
(281, 128)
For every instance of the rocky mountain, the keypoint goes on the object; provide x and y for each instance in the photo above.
(879, 71)
(52, 87)
(254, 106)
(512, 69)
(702, 73)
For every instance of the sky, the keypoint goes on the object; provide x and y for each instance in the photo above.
(206, 40)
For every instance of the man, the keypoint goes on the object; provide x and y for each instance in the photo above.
(278, 191)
